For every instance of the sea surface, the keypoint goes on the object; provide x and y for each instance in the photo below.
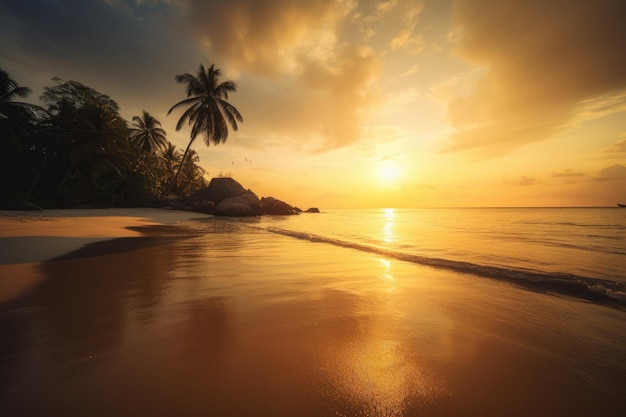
(572, 250)
(430, 312)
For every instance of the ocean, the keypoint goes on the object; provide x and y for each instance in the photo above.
(429, 312)
(577, 251)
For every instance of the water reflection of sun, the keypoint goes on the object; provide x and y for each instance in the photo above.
(388, 235)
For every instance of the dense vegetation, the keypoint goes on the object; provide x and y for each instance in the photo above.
(76, 150)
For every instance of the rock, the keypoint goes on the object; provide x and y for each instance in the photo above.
(226, 197)
(313, 210)
(26, 206)
(276, 207)
(217, 190)
(175, 204)
(203, 206)
(246, 204)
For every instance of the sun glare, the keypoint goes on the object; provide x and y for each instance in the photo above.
(388, 172)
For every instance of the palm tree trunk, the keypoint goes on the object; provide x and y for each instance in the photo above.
(180, 167)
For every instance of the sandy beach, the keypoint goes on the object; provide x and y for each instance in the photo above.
(164, 315)
(27, 239)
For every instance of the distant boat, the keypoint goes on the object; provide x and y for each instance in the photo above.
(621, 205)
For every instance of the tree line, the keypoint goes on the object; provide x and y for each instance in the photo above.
(76, 150)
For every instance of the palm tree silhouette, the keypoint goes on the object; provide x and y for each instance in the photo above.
(16, 118)
(147, 134)
(208, 109)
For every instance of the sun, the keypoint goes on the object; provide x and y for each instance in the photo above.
(388, 172)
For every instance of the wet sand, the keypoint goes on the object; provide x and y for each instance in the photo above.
(29, 238)
(226, 320)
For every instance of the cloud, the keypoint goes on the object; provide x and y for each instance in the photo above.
(412, 70)
(262, 36)
(522, 181)
(567, 173)
(305, 87)
(542, 59)
(407, 39)
(569, 176)
(598, 107)
(319, 109)
(615, 172)
(389, 157)
(617, 147)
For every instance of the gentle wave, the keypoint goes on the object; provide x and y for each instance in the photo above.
(591, 289)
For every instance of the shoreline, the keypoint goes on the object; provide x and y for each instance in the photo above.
(28, 239)
(82, 226)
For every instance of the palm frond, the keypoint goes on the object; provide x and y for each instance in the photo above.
(185, 102)
(189, 114)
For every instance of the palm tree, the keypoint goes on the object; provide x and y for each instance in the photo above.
(23, 155)
(16, 118)
(9, 88)
(192, 175)
(208, 108)
(146, 134)
(170, 156)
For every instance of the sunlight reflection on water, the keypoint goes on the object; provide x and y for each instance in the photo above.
(380, 378)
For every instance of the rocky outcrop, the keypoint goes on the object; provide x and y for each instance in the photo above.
(313, 210)
(226, 197)
(246, 204)
(274, 206)
(218, 190)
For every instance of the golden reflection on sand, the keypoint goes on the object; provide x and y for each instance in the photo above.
(377, 371)
(386, 276)
(379, 377)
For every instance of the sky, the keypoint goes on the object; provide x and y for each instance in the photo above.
(360, 103)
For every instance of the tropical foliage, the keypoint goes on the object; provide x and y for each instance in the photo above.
(147, 134)
(207, 108)
(77, 150)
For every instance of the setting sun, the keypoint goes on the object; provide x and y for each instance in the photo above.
(388, 172)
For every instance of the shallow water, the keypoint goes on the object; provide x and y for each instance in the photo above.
(572, 251)
(228, 319)
(589, 242)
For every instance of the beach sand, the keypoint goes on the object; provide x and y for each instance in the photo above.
(26, 239)
(225, 319)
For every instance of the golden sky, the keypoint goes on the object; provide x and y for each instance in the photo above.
(351, 103)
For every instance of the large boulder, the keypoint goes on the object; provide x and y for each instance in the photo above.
(218, 190)
(274, 206)
(243, 205)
